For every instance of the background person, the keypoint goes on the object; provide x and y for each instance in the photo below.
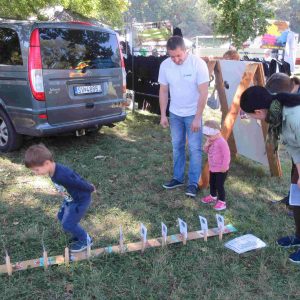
(186, 76)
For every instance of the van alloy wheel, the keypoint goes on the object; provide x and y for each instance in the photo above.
(3, 133)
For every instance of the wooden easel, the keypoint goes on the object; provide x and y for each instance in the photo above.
(254, 73)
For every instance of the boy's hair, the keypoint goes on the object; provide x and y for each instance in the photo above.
(36, 155)
(231, 55)
(212, 124)
(280, 82)
(175, 42)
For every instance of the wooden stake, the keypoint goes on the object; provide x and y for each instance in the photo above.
(220, 233)
(8, 265)
(67, 256)
(45, 256)
(183, 239)
(88, 251)
(205, 235)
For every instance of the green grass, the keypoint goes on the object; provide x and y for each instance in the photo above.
(137, 160)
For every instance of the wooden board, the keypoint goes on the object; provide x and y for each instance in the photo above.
(131, 247)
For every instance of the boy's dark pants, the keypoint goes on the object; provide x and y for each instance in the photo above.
(216, 183)
(296, 209)
(70, 215)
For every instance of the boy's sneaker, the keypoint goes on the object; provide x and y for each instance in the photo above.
(209, 199)
(172, 184)
(295, 257)
(220, 205)
(191, 190)
(73, 240)
(80, 246)
(288, 241)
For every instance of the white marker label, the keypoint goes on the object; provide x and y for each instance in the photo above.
(164, 231)
(121, 234)
(203, 223)
(182, 227)
(220, 221)
(143, 233)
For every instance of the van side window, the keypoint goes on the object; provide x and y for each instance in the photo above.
(10, 50)
(75, 49)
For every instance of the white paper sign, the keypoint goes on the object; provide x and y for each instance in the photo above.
(164, 231)
(182, 227)
(220, 221)
(294, 198)
(121, 234)
(143, 232)
(203, 223)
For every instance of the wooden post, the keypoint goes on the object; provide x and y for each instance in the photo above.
(8, 264)
(273, 157)
(67, 256)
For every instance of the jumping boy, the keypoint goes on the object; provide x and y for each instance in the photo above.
(75, 190)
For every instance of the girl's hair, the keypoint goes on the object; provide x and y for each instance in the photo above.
(36, 155)
(212, 124)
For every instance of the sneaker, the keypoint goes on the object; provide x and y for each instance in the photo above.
(73, 240)
(172, 184)
(284, 200)
(80, 246)
(295, 257)
(288, 241)
(220, 205)
(191, 190)
(209, 199)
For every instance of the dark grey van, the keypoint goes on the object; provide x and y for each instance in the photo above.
(58, 78)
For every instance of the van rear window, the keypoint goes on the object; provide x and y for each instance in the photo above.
(78, 49)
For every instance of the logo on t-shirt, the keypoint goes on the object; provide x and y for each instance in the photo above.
(61, 189)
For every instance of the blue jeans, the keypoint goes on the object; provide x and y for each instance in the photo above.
(180, 129)
(70, 215)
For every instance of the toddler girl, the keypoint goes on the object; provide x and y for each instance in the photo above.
(218, 153)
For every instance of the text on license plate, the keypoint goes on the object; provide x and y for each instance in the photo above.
(87, 89)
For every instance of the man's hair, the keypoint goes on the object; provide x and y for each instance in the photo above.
(36, 155)
(175, 42)
(280, 82)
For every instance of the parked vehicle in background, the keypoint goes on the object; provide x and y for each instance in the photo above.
(57, 78)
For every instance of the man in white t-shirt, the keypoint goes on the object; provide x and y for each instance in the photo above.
(186, 76)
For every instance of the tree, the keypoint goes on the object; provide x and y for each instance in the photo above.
(107, 11)
(194, 17)
(288, 10)
(241, 19)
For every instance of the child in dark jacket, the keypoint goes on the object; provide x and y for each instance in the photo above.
(75, 190)
(218, 153)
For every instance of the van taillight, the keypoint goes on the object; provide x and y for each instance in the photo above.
(122, 66)
(35, 69)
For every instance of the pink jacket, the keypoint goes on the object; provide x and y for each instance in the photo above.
(218, 155)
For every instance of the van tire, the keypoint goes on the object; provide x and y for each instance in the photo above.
(10, 140)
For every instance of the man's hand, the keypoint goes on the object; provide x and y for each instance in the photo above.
(196, 124)
(164, 122)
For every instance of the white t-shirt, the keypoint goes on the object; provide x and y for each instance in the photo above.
(183, 81)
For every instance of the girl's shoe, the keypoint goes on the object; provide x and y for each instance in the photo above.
(220, 205)
(209, 199)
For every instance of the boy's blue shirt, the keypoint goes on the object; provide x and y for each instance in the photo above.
(77, 188)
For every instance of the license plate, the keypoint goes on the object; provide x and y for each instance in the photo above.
(87, 89)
